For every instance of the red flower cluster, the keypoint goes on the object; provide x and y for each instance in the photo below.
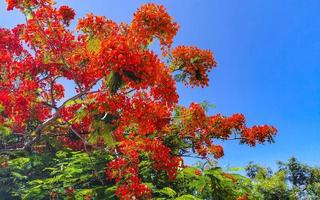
(201, 130)
(17, 90)
(133, 189)
(126, 167)
(222, 127)
(151, 21)
(97, 26)
(76, 145)
(149, 116)
(194, 63)
(243, 197)
(67, 14)
(21, 4)
(139, 68)
(198, 172)
(258, 133)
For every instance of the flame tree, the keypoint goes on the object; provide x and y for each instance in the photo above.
(125, 102)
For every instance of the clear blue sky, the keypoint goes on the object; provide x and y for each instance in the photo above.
(268, 54)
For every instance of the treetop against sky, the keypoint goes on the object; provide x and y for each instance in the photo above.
(254, 44)
(125, 102)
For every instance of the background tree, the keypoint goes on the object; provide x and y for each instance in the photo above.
(293, 180)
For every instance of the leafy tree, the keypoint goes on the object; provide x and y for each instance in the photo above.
(78, 175)
(127, 133)
(293, 180)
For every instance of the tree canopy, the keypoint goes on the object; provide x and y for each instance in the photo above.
(122, 133)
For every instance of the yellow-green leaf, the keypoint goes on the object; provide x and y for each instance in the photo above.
(94, 45)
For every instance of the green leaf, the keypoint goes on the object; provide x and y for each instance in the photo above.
(195, 59)
(187, 197)
(1, 108)
(189, 171)
(19, 162)
(61, 154)
(235, 169)
(5, 131)
(114, 82)
(18, 176)
(80, 194)
(46, 58)
(70, 103)
(103, 130)
(94, 45)
(110, 193)
(180, 77)
(167, 191)
(206, 105)
(150, 185)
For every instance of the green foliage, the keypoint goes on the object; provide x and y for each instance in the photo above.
(56, 175)
(39, 176)
(292, 181)
(94, 45)
(206, 105)
(103, 130)
(187, 197)
(210, 183)
(180, 77)
(114, 82)
(42, 176)
(20, 170)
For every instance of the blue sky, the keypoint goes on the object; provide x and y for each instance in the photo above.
(268, 65)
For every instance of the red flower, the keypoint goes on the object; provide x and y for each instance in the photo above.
(152, 20)
(194, 64)
(198, 172)
(67, 14)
